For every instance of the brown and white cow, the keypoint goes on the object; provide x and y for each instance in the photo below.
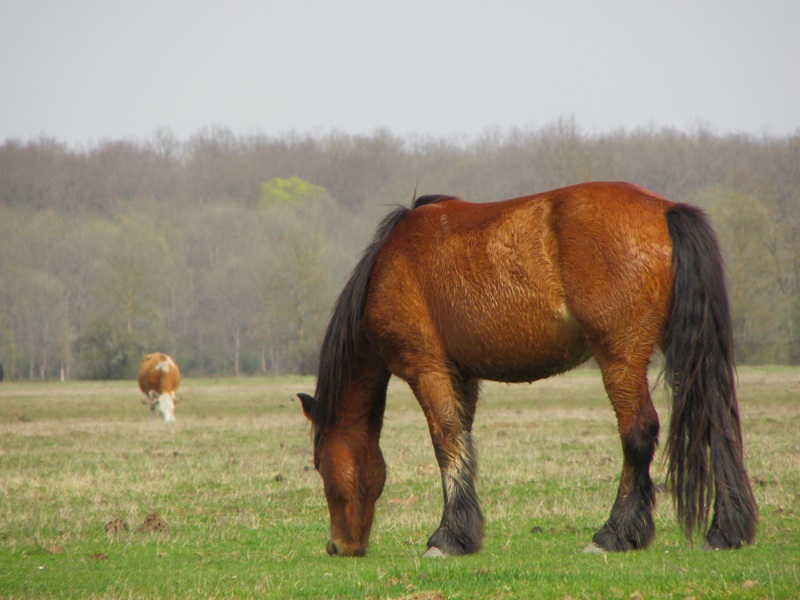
(159, 380)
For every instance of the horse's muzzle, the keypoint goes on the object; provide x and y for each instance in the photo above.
(335, 549)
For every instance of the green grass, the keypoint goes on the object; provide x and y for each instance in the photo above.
(247, 517)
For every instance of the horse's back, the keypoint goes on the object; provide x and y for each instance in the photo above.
(516, 290)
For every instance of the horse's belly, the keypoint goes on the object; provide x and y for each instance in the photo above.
(521, 350)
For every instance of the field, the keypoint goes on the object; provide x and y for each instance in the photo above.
(98, 500)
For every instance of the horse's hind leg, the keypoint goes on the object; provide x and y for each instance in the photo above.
(449, 407)
(631, 526)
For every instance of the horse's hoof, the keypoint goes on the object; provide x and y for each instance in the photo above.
(593, 549)
(434, 552)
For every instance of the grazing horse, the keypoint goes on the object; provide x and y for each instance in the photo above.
(159, 380)
(450, 292)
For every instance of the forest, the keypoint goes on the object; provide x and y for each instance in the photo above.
(228, 250)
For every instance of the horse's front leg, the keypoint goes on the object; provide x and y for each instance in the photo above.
(450, 409)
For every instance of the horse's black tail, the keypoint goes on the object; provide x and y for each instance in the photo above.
(705, 457)
(340, 345)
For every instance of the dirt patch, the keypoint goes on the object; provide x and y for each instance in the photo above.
(116, 526)
(153, 523)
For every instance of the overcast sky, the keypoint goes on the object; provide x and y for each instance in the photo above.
(84, 71)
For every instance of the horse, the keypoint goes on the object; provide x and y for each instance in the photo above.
(449, 293)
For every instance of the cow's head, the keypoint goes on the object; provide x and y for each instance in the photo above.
(163, 405)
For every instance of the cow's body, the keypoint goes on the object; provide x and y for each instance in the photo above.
(159, 380)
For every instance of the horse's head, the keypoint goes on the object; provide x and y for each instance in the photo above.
(353, 473)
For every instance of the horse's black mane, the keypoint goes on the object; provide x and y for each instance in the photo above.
(340, 344)
(431, 199)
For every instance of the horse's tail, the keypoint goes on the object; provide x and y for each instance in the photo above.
(705, 438)
(340, 345)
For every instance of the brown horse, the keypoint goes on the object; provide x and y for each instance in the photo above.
(450, 293)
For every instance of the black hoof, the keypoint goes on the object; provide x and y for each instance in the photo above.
(615, 539)
(716, 540)
(447, 543)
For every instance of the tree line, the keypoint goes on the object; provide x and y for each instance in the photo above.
(227, 251)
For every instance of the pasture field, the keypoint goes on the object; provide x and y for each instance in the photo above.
(241, 513)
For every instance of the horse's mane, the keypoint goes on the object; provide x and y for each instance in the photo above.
(340, 344)
(431, 199)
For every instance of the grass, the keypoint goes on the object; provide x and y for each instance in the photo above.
(246, 515)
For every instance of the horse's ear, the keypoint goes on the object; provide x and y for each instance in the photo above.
(308, 403)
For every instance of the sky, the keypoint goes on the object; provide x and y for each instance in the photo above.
(86, 71)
